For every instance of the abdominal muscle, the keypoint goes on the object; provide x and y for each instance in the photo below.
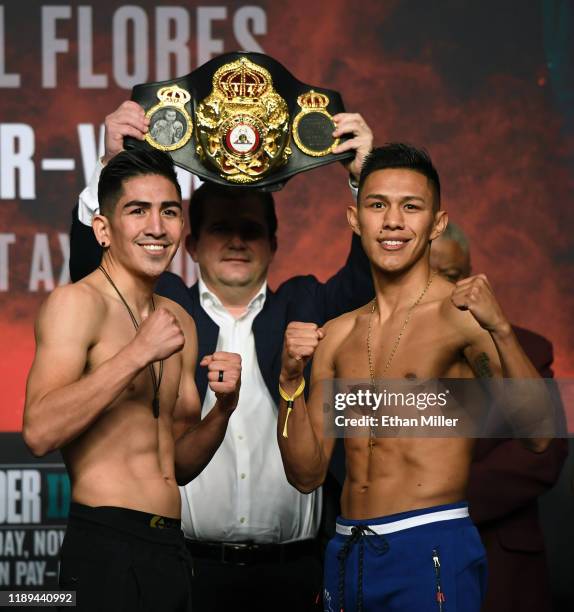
(403, 474)
(126, 459)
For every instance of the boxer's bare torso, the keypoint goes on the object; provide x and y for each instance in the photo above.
(125, 457)
(388, 475)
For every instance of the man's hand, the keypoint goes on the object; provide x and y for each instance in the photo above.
(224, 376)
(127, 120)
(301, 340)
(158, 337)
(361, 143)
(475, 295)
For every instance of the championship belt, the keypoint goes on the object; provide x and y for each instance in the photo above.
(241, 119)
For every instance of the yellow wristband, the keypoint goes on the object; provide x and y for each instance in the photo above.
(290, 399)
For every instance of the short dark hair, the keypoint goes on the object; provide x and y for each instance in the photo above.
(200, 199)
(126, 165)
(401, 155)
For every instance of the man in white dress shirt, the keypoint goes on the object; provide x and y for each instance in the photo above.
(253, 537)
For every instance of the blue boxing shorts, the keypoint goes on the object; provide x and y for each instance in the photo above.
(429, 560)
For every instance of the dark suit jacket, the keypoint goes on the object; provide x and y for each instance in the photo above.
(505, 482)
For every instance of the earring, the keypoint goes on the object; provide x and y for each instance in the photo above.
(103, 244)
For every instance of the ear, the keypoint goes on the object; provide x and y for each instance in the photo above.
(440, 223)
(102, 230)
(191, 246)
(353, 218)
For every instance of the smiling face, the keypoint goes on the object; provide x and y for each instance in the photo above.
(234, 248)
(396, 218)
(144, 229)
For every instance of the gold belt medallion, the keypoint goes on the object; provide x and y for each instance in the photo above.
(313, 127)
(242, 127)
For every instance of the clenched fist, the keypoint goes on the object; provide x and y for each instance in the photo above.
(301, 340)
(127, 120)
(475, 295)
(159, 336)
(224, 376)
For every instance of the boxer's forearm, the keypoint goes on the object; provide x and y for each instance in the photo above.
(303, 459)
(195, 448)
(538, 415)
(513, 359)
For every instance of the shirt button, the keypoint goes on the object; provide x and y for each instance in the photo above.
(242, 476)
(242, 519)
(240, 437)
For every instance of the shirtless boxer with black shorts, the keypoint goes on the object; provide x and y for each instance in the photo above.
(112, 386)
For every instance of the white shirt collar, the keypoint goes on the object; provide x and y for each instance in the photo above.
(208, 298)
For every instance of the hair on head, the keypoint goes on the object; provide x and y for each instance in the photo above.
(401, 155)
(201, 196)
(129, 164)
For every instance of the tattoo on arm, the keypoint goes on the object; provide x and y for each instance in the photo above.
(482, 366)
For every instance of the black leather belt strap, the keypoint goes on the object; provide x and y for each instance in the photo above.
(249, 553)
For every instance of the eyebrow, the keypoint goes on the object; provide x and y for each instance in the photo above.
(380, 196)
(142, 204)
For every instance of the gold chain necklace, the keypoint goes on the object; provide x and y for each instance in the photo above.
(395, 346)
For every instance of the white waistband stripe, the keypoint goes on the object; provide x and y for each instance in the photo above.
(413, 521)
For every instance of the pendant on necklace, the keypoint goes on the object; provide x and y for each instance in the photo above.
(371, 443)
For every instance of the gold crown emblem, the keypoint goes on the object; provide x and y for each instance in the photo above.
(174, 95)
(242, 126)
(313, 99)
(242, 79)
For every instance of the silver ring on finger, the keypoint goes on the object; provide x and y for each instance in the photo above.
(220, 376)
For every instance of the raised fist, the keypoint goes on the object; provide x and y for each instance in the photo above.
(127, 120)
(475, 295)
(301, 340)
(159, 336)
(224, 376)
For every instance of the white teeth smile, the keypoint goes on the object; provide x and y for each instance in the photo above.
(393, 242)
(153, 247)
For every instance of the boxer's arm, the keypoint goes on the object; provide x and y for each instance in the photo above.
(197, 439)
(493, 350)
(490, 335)
(305, 450)
(62, 400)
